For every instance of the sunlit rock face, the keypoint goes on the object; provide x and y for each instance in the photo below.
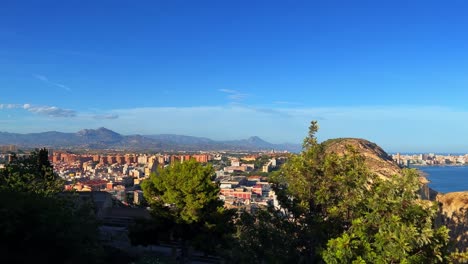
(376, 159)
(454, 214)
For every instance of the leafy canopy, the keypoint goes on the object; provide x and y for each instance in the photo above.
(185, 202)
(393, 226)
(39, 225)
(341, 212)
(32, 174)
(187, 187)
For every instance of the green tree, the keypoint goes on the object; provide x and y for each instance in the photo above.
(185, 194)
(32, 173)
(320, 192)
(333, 201)
(46, 229)
(267, 236)
(39, 225)
(187, 187)
(393, 226)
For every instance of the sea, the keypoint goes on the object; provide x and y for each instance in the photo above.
(446, 179)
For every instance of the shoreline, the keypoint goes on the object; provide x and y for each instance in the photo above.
(427, 176)
(437, 165)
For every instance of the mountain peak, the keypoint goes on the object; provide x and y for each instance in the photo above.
(100, 134)
(98, 130)
(105, 130)
(255, 139)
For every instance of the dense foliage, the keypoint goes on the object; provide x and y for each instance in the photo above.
(393, 226)
(37, 225)
(185, 202)
(31, 174)
(46, 229)
(334, 209)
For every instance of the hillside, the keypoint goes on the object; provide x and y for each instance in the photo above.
(453, 211)
(375, 157)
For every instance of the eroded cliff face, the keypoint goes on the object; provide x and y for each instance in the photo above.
(454, 214)
(453, 206)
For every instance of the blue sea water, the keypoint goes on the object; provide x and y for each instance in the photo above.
(446, 179)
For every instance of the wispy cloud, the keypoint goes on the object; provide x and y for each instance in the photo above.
(52, 111)
(286, 103)
(49, 82)
(41, 77)
(270, 111)
(9, 106)
(234, 95)
(106, 116)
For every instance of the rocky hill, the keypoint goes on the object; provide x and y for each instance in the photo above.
(375, 157)
(453, 210)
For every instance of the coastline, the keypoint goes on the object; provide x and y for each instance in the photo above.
(438, 165)
(445, 179)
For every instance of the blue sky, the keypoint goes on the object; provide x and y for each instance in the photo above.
(393, 72)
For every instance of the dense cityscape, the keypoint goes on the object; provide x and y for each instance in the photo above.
(241, 176)
(428, 159)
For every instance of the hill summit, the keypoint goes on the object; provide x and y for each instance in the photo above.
(376, 159)
(101, 134)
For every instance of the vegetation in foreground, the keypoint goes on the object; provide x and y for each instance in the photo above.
(333, 210)
(39, 226)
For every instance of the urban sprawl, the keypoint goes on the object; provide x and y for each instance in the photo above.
(242, 177)
(430, 159)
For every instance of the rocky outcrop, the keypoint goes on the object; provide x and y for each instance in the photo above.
(453, 207)
(454, 214)
(425, 192)
(376, 158)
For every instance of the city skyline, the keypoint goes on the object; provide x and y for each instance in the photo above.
(393, 73)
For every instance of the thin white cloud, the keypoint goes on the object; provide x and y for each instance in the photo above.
(234, 95)
(9, 106)
(52, 111)
(286, 103)
(106, 116)
(49, 82)
(41, 77)
(227, 91)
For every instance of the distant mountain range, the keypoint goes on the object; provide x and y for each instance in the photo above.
(104, 138)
